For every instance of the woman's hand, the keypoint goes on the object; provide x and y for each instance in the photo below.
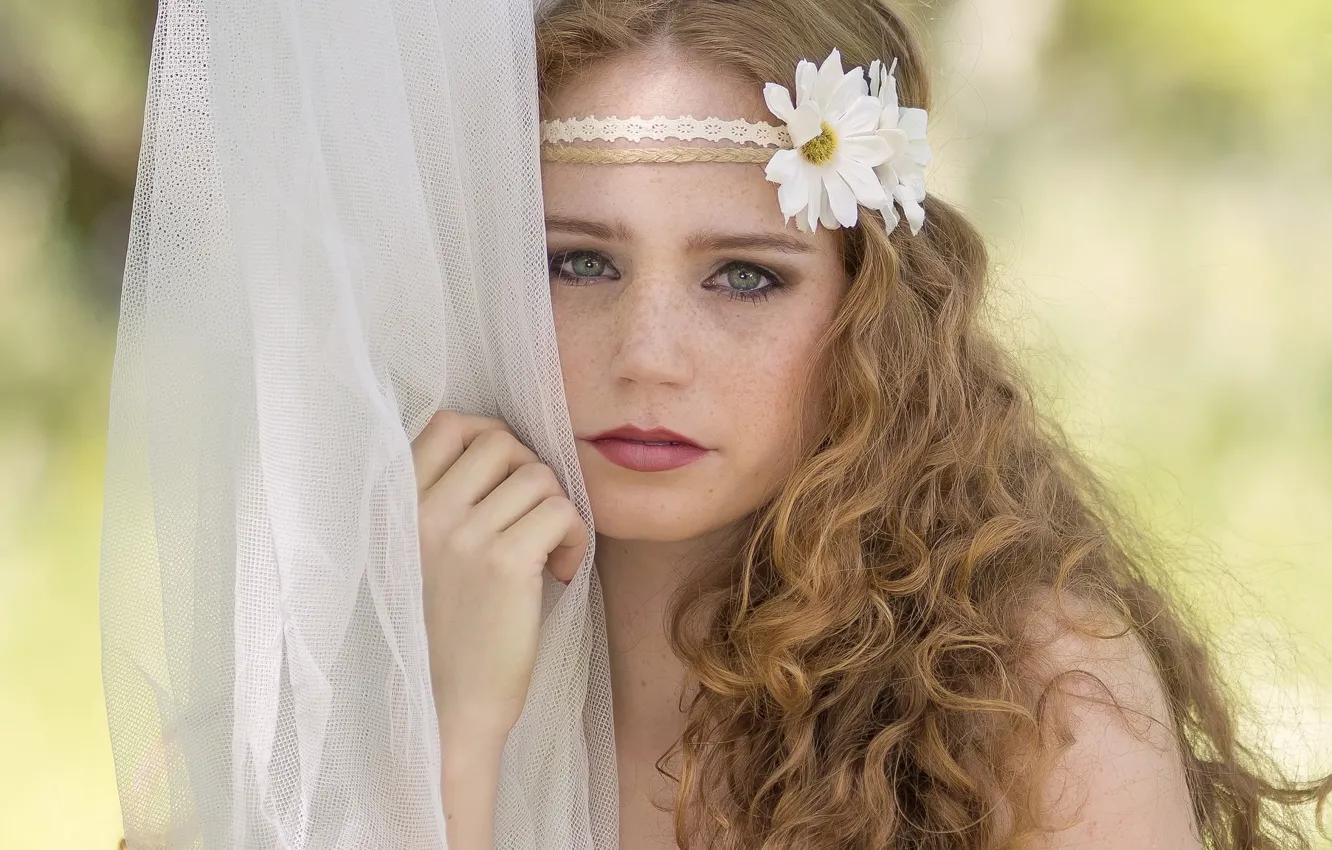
(492, 517)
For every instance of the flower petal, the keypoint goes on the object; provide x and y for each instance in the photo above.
(896, 141)
(779, 103)
(915, 215)
(860, 117)
(806, 75)
(864, 184)
(913, 121)
(909, 192)
(890, 217)
(880, 156)
(844, 95)
(827, 218)
(887, 174)
(782, 165)
(814, 211)
(919, 152)
(888, 89)
(910, 184)
(793, 194)
(866, 150)
(830, 74)
(805, 123)
(792, 197)
(841, 199)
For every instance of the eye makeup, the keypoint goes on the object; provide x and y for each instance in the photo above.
(582, 266)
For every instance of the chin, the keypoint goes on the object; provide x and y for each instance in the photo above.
(669, 507)
(658, 519)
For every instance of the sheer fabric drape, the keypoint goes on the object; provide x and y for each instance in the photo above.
(337, 231)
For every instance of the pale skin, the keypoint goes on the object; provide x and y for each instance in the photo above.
(648, 335)
(658, 347)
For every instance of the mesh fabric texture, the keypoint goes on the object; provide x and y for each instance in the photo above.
(337, 231)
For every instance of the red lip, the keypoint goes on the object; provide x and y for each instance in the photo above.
(656, 435)
(626, 446)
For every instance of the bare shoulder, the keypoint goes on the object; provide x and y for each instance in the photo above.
(1117, 778)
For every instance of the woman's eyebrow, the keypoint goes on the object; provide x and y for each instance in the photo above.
(698, 242)
(616, 231)
(703, 241)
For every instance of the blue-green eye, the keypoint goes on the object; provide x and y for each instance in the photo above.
(743, 278)
(737, 280)
(579, 264)
(745, 281)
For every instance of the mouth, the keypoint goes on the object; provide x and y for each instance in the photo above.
(647, 457)
(642, 450)
(650, 437)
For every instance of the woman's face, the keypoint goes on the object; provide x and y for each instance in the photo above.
(681, 301)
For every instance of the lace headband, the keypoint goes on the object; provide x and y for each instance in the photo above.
(844, 143)
(557, 138)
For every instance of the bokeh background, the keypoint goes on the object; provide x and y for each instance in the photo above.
(1155, 180)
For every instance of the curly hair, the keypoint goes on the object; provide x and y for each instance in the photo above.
(864, 674)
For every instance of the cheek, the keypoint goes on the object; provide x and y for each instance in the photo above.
(746, 381)
(587, 343)
(771, 392)
(766, 383)
(580, 359)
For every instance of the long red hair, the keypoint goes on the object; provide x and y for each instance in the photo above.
(863, 674)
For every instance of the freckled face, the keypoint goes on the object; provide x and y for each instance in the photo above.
(683, 301)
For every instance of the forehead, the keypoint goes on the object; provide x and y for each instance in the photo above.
(664, 201)
(664, 83)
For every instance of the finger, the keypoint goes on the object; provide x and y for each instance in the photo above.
(552, 531)
(442, 441)
(528, 486)
(564, 559)
(489, 459)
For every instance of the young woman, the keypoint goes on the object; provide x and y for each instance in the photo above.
(864, 595)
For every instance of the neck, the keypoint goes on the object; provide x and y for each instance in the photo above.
(638, 578)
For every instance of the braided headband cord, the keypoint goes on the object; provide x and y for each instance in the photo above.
(619, 156)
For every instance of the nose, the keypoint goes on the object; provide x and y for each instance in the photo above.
(653, 322)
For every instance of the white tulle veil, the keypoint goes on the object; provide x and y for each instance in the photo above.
(337, 231)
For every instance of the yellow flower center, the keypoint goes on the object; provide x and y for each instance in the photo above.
(819, 150)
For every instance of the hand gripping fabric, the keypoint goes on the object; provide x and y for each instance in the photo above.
(337, 231)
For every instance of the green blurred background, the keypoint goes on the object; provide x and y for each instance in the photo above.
(1155, 179)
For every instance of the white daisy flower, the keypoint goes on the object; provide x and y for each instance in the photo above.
(903, 173)
(835, 127)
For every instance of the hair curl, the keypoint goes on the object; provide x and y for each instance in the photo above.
(862, 673)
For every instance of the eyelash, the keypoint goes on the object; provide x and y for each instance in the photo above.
(557, 261)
